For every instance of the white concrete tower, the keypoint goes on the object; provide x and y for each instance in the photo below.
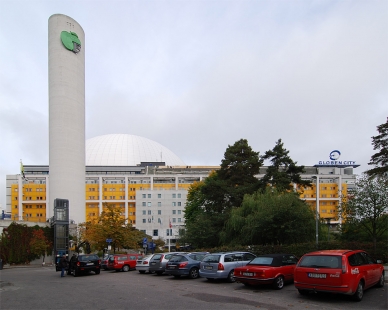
(66, 60)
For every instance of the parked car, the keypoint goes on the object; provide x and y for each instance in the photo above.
(347, 272)
(222, 265)
(84, 263)
(104, 261)
(143, 264)
(158, 262)
(275, 269)
(185, 264)
(123, 262)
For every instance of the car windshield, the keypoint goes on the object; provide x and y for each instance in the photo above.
(211, 258)
(266, 261)
(321, 261)
(177, 258)
(85, 258)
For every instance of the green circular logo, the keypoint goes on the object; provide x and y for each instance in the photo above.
(70, 41)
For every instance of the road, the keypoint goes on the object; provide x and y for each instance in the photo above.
(43, 288)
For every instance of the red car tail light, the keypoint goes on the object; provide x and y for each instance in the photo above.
(145, 263)
(183, 265)
(99, 262)
(78, 263)
(344, 264)
(220, 266)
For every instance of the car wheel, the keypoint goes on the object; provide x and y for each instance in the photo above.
(97, 271)
(159, 272)
(359, 292)
(125, 268)
(141, 271)
(303, 292)
(381, 281)
(279, 283)
(230, 277)
(193, 274)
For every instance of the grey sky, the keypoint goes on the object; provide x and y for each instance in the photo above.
(196, 76)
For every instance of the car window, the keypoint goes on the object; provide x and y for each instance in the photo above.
(367, 258)
(121, 258)
(197, 256)
(248, 256)
(168, 256)
(157, 257)
(228, 258)
(261, 261)
(177, 258)
(211, 259)
(321, 261)
(238, 257)
(289, 260)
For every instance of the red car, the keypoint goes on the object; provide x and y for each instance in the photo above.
(123, 262)
(347, 272)
(275, 269)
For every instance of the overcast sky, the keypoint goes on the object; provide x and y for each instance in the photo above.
(196, 76)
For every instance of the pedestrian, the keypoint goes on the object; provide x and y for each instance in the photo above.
(63, 263)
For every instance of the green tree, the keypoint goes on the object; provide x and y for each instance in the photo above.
(380, 159)
(366, 206)
(270, 217)
(110, 225)
(209, 202)
(283, 171)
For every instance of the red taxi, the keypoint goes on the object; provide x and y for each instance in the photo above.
(347, 272)
(275, 269)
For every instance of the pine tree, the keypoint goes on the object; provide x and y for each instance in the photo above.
(380, 159)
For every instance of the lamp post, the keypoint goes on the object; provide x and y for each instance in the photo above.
(317, 209)
(328, 219)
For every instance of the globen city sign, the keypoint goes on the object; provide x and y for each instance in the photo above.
(70, 41)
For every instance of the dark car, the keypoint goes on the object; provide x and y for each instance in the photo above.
(158, 262)
(185, 264)
(348, 272)
(84, 263)
(275, 269)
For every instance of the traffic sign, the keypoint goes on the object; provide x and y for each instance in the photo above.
(108, 240)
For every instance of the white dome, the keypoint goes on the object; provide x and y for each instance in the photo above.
(127, 150)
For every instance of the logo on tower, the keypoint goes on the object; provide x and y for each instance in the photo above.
(70, 41)
(334, 155)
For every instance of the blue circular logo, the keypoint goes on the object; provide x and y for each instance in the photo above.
(334, 155)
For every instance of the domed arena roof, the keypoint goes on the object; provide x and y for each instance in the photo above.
(127, 150)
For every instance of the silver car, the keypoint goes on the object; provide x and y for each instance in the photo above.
(143, 264)
(222, 265)
(158, 262)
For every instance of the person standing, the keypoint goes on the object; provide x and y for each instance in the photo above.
(63, 263)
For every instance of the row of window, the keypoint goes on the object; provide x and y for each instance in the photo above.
(174, 220)
(31, 198)
(148, 204)
(149, 212)
(31, 206)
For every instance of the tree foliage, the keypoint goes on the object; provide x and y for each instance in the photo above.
(209, 202)
(366, 207)
(270, 217)
(380, 159)
(283, 171)
(110, 225)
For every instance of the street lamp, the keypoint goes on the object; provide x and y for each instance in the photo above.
(328, 219)
(317, 209)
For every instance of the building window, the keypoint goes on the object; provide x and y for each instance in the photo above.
(143, 203)
(179, 195)
(173, 211)
(179, 203)
(174, 204)
(324, 211)
(179, 220)
(323, 196)
(149, 212)
(144, 212)
(149, 220)
(159, 212)
(159, 195)
(149, 195)
(149, 204)
(155, 233)
(159, 204)
(179, 211)
(143, 195)
(144, 221)
(174, 220)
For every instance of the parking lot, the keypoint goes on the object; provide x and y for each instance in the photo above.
(43, 288)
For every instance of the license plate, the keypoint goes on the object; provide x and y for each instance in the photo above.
(208, 267)
(90, 264)
(153, 263)
(317, 275)
(248, 274)
(171, 267)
